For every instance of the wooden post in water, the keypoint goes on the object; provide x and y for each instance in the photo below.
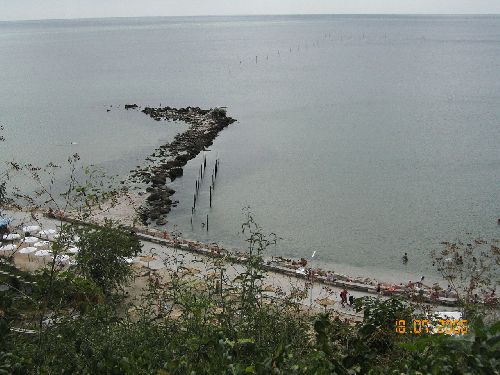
(207, 222)
(210, 197)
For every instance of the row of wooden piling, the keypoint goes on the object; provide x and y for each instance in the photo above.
(314, 44)
(199, 180)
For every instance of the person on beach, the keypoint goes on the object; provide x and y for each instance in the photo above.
(448, 291)
(420, 284)
(405, 258)
(343, 297)
(351, 300)
(379, 289)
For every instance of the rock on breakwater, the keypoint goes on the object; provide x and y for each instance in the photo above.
(167, 162)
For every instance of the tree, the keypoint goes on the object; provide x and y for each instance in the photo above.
(472, 271)
(102, 254)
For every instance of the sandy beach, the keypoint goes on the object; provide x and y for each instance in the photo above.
(161, 254)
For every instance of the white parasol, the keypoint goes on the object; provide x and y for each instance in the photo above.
(27, 250)
(43, 253)
(30, 240)
(41, 243)
(73, 250)
(11, 236)
(62, 258)
(31, 228)
(47, 232)
(8, 247)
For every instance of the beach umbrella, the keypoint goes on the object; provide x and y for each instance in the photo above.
(73, 250)
(31, 228)
(8, 247)
(128, 260)
(269, 288)
(30, 240)
(41, 243)
(11, 236)
(62, 258)
(147, 259)
(193, 271)
(27, 250)
(213, 275)
(43, 253)
(325, 302)
(47, 232)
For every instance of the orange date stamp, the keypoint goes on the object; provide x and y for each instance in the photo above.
(439, 326)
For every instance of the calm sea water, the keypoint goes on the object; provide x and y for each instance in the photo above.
(358, 137)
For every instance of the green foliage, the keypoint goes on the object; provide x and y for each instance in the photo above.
(9, 364)
(212, 324)
(472, 270)
(477, 353)
(69, 289)
(102, 254)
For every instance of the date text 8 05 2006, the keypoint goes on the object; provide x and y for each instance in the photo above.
(422, 326)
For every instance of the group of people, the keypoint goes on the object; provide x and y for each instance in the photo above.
(343, 298)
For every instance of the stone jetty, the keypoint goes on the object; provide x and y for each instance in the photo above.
(167, 161)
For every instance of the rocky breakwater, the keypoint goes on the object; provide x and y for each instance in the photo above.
(167, 162)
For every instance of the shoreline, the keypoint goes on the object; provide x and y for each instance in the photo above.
(286, 266)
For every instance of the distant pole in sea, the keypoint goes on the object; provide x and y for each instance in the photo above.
(207, 223)
(210, 197)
